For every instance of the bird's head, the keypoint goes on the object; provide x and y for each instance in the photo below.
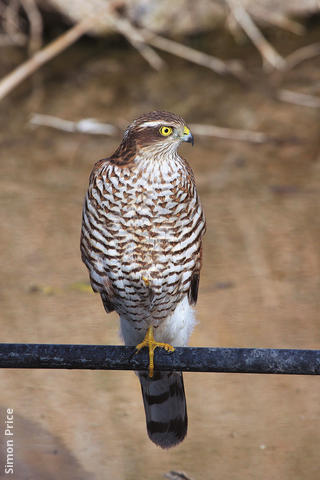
(155, 133)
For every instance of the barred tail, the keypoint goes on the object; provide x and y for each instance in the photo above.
(165, 407)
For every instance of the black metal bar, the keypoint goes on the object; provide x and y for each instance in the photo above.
(190, 359)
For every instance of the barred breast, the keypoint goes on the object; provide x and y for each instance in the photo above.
(141, 237)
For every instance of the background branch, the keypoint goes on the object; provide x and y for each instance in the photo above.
(298, 98)
(268, 53)
(220, 67)
(9, 82)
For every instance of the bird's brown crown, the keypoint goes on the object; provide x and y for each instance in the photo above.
(150, 129)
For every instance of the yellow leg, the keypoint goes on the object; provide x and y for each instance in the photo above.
(150, 342)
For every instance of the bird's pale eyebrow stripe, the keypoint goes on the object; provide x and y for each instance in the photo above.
(154, 123)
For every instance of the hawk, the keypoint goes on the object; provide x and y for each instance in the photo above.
(141, 236)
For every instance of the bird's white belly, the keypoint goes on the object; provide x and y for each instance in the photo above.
(175, 329)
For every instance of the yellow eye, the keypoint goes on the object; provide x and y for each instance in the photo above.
(165, 131)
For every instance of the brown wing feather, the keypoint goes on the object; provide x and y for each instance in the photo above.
(194, 287)
(195, 278)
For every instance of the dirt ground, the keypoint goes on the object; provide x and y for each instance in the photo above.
(259, 286)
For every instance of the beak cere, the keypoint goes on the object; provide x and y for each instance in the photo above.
(187, 136)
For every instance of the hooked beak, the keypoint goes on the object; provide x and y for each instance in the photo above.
(187, 136)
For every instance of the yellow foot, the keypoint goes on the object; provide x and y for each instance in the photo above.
(150, 342)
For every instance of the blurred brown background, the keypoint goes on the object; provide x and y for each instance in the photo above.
(260, 279)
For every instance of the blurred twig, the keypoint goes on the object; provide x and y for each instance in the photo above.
(297, 98)
(269, 54)
(86, 125)
(302, 54)
(10, 81)
(35, 21)
(231, 133)
(10, 17)
(10, 24)
(233, 68)
(137, 41)
(277, 19)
